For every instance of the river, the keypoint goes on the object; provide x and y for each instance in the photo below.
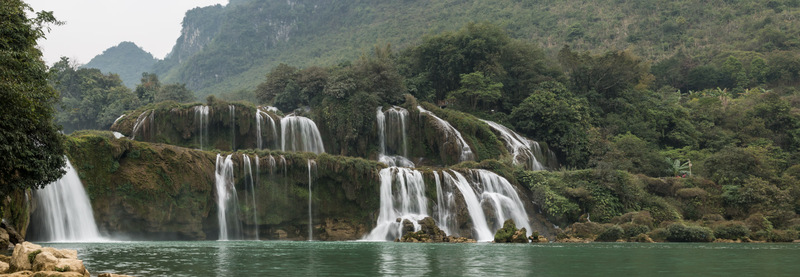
(284, 258)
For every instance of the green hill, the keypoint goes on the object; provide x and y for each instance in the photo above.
(126, 60)
(228, 48)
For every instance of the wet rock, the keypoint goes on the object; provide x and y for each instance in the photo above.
(43, 274)
(430, 232)
(408, 227)
(341, 229)
(510, 233)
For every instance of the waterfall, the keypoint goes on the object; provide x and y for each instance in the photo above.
(445, 204)
(226, 197)
(201, 123)
(504, 198)
(232, 110)
(521, 148)
(260, 115)
(66, 211)
(466, 152)
(300, 134)
(402, 195)
(140, 121)
(118, 118)
(481, 230)
(311, 165)
(248, 178)
(396, 123)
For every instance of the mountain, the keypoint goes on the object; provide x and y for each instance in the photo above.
(126, 59)
(228, 48)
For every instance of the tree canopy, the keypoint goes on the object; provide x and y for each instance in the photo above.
(30, 143)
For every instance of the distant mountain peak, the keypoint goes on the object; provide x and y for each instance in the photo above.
(126, 59)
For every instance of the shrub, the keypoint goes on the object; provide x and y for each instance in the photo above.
(732, 230)
(585, 230)
(678, 232)
(632, 229)
(611, 234)
(782, 236)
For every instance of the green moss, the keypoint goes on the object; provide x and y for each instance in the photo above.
(32, 255)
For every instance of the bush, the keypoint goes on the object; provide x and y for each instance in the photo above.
(632, 230)
(677, 232)
(782, 236)
(732, 230)
(585, 230)
(611, 234)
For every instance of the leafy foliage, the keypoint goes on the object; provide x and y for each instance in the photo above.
(32, 149)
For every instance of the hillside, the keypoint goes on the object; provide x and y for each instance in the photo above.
(228, 48)
(126, 60)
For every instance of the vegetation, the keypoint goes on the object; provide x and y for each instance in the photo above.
(30, 143)
(126, 60)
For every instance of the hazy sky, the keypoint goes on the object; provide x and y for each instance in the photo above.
(93, 26)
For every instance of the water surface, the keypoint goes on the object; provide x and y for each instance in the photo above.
(281, 258)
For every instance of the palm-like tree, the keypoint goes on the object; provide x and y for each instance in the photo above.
(678, 169)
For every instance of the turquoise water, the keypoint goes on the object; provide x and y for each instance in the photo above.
(279, 258)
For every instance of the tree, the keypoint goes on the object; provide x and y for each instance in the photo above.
(476, 88)
(175, 92)
(89, 99)
(553, 115)
(276, 82)
(148, 87)
(607, 74)
(30, 143)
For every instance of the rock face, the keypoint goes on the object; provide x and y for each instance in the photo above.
(156, 191)
(509, 233)
(50, 261)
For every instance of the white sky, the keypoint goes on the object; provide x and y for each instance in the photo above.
(92, 26)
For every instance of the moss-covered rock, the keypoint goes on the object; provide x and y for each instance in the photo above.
(152, 190)
(510, 233)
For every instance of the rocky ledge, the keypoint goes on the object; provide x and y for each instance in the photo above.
(31, 259)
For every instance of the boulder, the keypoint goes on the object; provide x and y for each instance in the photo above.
(21, 258)
(408, 227)
(13, 235)
(47, 260)
(5, 241)
(4, 266)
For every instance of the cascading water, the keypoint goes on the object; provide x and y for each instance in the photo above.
(449, 130)
(521, 148)
(66, 211)
(481, 230)
(140, 121)
(118, 118)
(312, 165)
(504, 199)
(201, 123)
(229, 224)
(402, 195)
(445, 204)
(260, 116)
(300, 134)
(249, 180)
(395, 118)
